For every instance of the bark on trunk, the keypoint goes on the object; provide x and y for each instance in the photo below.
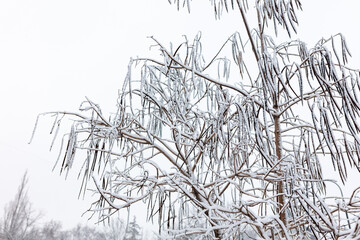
(280, 189)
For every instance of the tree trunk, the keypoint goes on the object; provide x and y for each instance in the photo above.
(280, 189)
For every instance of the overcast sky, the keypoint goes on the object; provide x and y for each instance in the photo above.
(54, 53)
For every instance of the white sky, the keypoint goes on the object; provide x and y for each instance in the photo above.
(54, 53)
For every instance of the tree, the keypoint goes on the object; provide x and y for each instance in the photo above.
(229, 154)
(52, 230)
(115, 230)
(133, 231)
(19, 221)
(81, 232)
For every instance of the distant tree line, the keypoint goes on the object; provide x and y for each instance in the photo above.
(21, 222)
